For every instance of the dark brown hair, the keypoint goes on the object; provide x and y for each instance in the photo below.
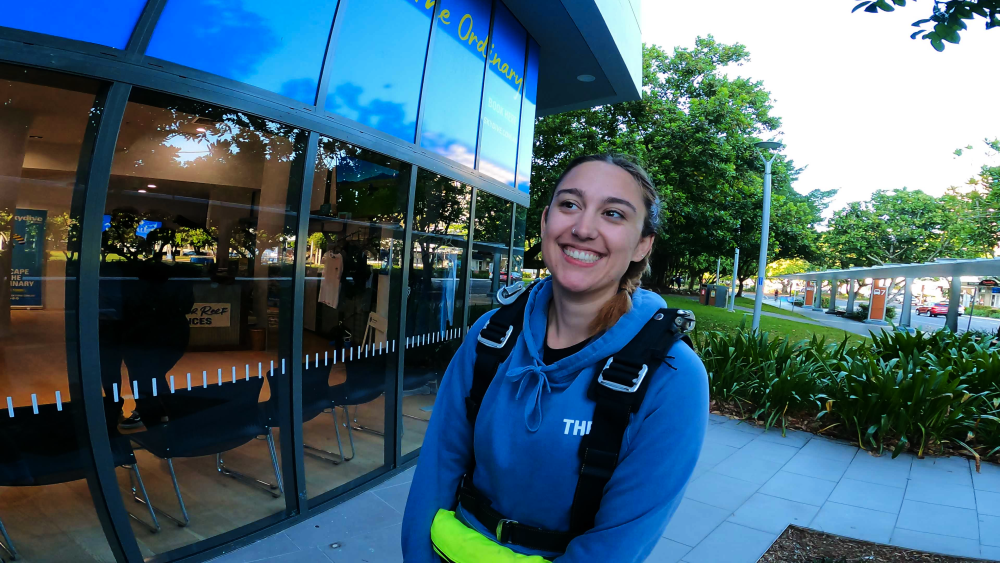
(621, 303)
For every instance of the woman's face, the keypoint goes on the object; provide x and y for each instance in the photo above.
(593, 228)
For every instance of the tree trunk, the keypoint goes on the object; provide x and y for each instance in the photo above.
(739, 288)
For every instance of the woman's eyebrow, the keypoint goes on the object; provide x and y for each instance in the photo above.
(620, 201)
(569, 191)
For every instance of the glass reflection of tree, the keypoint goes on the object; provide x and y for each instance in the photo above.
(218, 136)
(64, 234)
(492, 219)
(121, 239)
(371, 187)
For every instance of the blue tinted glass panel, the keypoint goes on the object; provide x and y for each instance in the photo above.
(526, 143)
(277, 46)
(454, 81)
(502, 97)
(105, 22)
(378, 63)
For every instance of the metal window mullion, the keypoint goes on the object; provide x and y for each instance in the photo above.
(482, 92)
(394, 443)
(83, 330)
(423, 77)
(510, 249)
(143, 30)
(293, 460)
(467, 267)
(520, 106)
(324, 73)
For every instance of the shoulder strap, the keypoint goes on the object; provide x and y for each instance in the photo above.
(496, 341)
(618, 390)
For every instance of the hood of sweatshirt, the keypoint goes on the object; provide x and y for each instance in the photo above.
(535, 379)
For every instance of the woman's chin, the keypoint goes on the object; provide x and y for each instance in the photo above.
(579, 284)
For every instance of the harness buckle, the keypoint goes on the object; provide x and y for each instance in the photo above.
(508, 293)
(618, 386)
(492, 344)
(503, 532)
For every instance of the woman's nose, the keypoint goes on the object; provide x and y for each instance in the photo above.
(585, 228)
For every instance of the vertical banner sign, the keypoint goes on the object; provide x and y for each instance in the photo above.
(810, 294)
(27, 240)
(880, 290)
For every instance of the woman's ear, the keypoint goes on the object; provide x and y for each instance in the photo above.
(545, 216)
(643, 248)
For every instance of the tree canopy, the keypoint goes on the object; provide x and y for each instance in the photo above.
(947, 19)
(694, 131)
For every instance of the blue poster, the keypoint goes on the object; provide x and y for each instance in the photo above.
(27, 240)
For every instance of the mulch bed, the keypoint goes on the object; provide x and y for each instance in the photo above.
(800, 545)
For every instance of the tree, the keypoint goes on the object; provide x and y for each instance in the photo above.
(694, 131)
(947, 16)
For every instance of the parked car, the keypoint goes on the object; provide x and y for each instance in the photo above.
(514, 278)
(936, 309)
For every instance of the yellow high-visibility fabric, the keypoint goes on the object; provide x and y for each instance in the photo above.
(457, 543)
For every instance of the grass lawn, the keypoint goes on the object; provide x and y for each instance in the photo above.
(715, 318)
(787, 311)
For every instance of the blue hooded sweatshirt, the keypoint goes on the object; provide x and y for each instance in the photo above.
(528, 435)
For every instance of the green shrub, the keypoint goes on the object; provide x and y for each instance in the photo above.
(911, 390)
(890, 313)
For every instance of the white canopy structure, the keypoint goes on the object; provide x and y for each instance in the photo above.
(940, 268)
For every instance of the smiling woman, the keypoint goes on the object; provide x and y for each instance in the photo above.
(590, 353)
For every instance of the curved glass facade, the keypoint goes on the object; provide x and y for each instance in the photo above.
(227, 312)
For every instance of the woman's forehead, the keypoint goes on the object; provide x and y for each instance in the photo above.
(600, 180)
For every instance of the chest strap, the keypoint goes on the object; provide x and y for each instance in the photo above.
(618, 392)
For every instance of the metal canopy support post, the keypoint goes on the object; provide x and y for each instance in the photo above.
(817, 304)
(850, 296)
(954, 301)
(904, 315)
(833, 297)
(765, 226)
(736, 268)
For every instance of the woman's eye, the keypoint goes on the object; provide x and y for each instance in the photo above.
(568, 205)
(615, 214)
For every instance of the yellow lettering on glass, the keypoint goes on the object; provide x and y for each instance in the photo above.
(445, 14)
(468, 33)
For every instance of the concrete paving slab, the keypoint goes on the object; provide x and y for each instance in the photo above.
(938, 519)
(935, 543)
(766, 449)
(667, 551)
(935, 475)
(794, 438)
(854, 522)
(821, 468)
(958, 496)
(721, 434)
(772, 514)
(731, 543)
(693, 521)
(988, 477)
(720, 491)
(799, 488)
(868, 495)
(829, 449)
(881, 470)
(988, 503)
(757, 470)
(989, 530)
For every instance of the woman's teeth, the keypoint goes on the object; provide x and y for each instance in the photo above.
(581, 255)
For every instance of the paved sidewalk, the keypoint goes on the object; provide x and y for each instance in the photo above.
(747, 487)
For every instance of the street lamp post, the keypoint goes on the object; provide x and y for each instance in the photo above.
(764, 228)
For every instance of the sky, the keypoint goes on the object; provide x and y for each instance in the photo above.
(863, 106)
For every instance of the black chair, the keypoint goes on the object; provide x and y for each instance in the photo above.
(42, 449)
(210, 419)
(316, 399)
(365, 382)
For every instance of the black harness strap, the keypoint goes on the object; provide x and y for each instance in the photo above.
(496, 341)
(618, 390)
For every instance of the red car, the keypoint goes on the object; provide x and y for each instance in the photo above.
(935, 309)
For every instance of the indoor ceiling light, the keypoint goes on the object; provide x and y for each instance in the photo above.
(142, 191)
(200, 129)
(151, 186)
(586, 78)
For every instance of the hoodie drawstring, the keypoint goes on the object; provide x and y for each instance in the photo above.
(540, 383)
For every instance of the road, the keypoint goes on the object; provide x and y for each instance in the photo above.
(933, 323)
